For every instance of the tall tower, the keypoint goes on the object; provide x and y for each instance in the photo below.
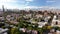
(3, 8)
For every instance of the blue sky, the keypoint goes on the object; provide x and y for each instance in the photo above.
(20, 4)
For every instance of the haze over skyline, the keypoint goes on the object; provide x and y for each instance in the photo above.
(20, 4)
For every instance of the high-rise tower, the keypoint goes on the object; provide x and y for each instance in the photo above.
(3, 8)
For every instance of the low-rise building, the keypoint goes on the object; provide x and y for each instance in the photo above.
(3, 31)
(55, 21)
(41, 24)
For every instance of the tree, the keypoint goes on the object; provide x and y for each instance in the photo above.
(40, 30)
(15, 31)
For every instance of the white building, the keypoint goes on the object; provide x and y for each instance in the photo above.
(22, 29)
(3, 31)
(57, 32)
(41, 24)
(55, 21)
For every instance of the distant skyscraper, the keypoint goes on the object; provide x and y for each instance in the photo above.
(3, 8)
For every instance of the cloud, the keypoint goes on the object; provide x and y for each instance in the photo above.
(5, 1)
(36, 7)
(11, 3)
(21, 4)
(15, 3)
(29, 0)
(49, 1)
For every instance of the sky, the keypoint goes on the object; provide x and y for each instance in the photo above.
(21, 4)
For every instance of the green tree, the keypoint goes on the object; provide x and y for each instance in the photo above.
(14, 31)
